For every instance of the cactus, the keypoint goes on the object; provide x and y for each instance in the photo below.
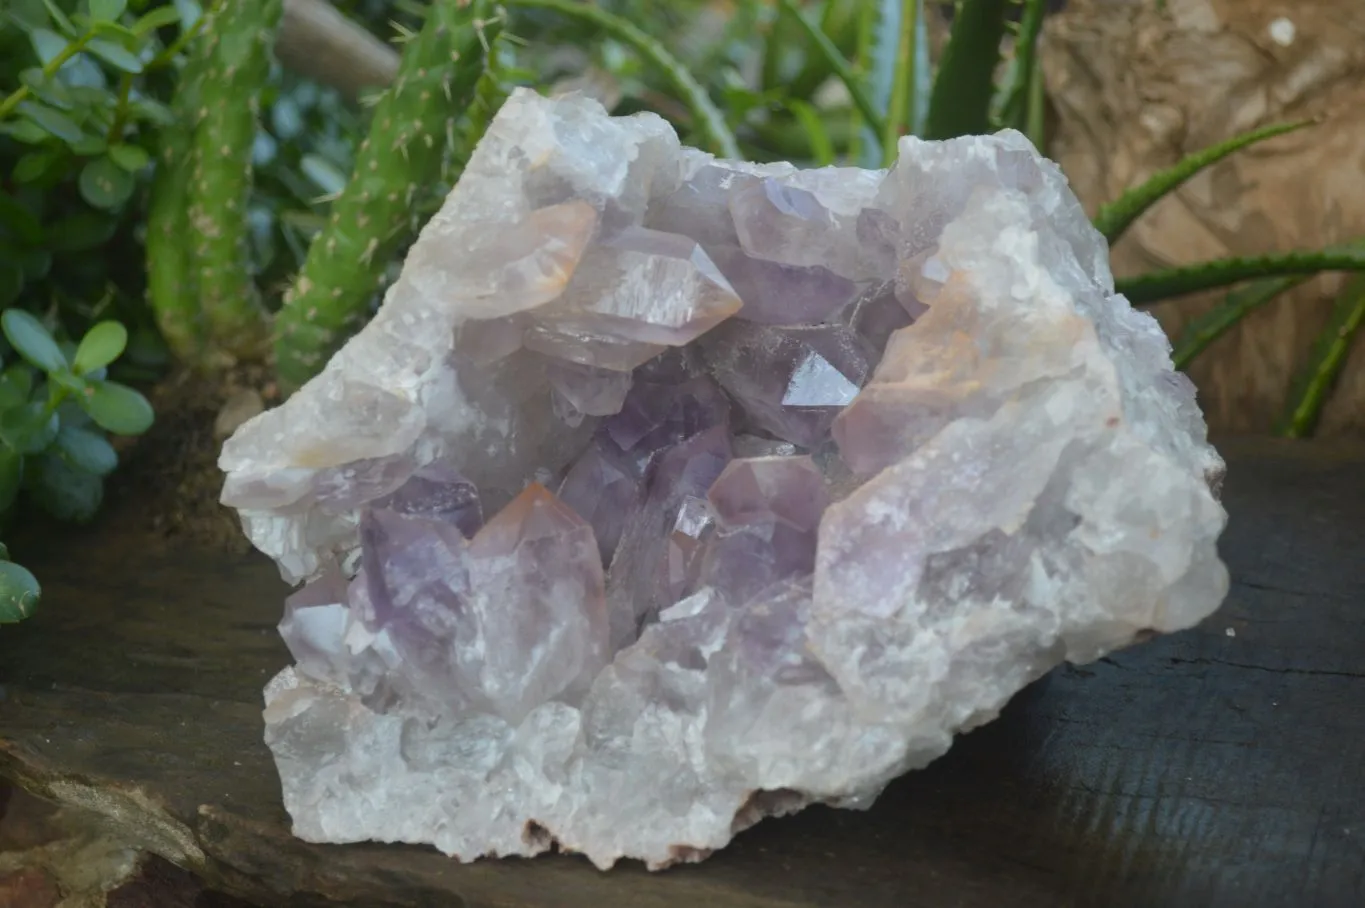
(237, 40)
(172, 290)
(440, 68)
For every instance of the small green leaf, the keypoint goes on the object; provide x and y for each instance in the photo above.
(152, 111)
(323, 173)
(117, 408)
(68, 380)
(28, 429)
(115, 55)
(25, 131)
(59, 17)
(32, 167)
(46, 44)
(121, 33)
(107, 10)
(37, 263)
(87, 451)
(81, 232)
(1116, 217)
(55, 122)
(104, 184)
(101, 345)
(11, 476)
(19, 593)
(16, 385)
(160, 17)
(131, 158)
(90, 146)
(63, 490)
(33, 341)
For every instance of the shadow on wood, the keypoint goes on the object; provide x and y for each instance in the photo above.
(1223, 766)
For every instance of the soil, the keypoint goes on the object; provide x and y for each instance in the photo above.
(168, 483)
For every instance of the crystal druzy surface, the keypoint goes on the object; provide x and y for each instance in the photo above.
(665, 493)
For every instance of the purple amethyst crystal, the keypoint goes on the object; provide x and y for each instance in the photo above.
(841, 460)
(789, 381)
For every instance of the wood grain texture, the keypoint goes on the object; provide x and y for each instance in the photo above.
(1224, 766)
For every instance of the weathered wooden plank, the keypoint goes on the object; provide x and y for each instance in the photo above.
(1224, 766)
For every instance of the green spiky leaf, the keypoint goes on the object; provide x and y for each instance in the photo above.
(960, 103)
(840, 66)
(1172, 282)
(1117, 216)
(1015, 92)
(1240, 303)
(1320, 373)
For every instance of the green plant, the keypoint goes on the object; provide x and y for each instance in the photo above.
(56, 406)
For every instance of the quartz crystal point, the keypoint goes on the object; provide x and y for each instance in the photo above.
(841, 460)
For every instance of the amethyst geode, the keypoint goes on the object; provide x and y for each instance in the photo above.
(665, 493)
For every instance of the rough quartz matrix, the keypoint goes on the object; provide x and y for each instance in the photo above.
(666, 493)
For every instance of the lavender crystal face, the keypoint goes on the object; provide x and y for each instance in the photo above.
(664, 492)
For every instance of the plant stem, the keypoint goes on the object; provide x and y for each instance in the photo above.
(50, 70)
(125, 88)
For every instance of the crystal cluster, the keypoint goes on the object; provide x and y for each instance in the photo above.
(665, 493)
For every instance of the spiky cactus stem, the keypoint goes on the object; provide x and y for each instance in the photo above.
(172, 291)
(238, 37)
(440, 67)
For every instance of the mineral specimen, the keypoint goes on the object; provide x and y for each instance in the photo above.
(665, 493)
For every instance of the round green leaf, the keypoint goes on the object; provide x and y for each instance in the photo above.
(117, 408)
(131, 158)
(62, 490)
(21, 223)
(28, 336)
(19, 592)
(11, 475)
(160, 17)
(28, 429)
(104, 184)
(115, 55)
(87, 451)
(65, 378)
(24, 131)
(101, 345)
(107, 10)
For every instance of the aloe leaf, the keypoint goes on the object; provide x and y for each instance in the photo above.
(1014, 95)
(1319, 374)
(1155, 286)
(837, 62)
(1240, 303)
(900, 108)
(822, 147)
(960, 103)
(1117, 216)
(709, 121)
